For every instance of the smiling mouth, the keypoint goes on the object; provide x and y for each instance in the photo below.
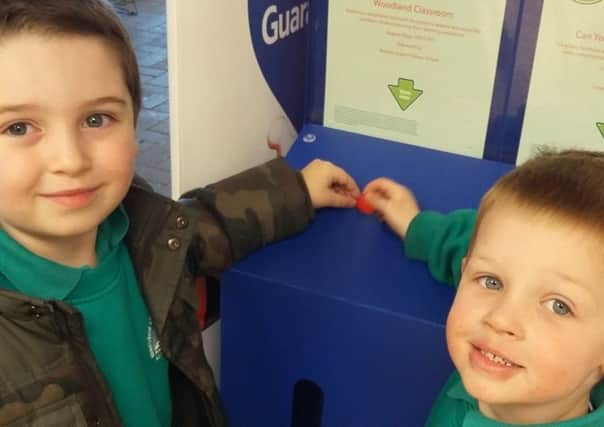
(496, 359)
(75, 198)
(71, 193)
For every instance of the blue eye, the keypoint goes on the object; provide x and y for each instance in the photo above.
(17, 129)
(558, 307)
(97, 120)
(490, 282)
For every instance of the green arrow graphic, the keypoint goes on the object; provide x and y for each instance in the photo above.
(600, 126)
(404, 93)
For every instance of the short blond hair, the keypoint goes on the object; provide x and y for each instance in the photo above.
(567, 185)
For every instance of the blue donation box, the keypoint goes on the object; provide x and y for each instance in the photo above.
(335, 327)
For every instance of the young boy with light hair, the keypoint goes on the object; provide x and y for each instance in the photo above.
(526, 329)
(99, 307)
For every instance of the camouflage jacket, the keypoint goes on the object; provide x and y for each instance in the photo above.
(48, 376)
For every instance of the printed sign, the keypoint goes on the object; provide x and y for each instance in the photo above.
(420, 73)
(565, 106)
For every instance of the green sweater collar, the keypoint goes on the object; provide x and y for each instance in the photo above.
(25, 270)
(474, 418)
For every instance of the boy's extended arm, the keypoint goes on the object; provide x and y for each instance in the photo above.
(441, 240)
(246, 211)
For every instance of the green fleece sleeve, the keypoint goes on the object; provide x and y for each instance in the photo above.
(441, 241)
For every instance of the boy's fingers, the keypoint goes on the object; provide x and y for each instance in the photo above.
(353, 191)
(342, 201)
(342, 179)
(376, 200)
(379, 185)
(372, 186)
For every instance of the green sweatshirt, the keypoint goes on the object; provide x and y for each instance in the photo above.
(441, 241)
(116, 320)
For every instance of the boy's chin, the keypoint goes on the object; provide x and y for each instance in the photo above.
(487, 391)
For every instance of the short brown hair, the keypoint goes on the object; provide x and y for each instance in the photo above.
(75, 17)
(568, 185)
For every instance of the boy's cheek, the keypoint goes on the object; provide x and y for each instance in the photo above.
(453, 319)
(455, 333)
(460, 316)
(123, 155)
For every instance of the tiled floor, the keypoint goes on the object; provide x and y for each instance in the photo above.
(148, 31)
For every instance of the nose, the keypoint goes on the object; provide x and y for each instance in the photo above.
(506, 317)
(67, 152)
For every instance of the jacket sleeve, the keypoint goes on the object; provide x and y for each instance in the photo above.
(247, 211)
(441, 241)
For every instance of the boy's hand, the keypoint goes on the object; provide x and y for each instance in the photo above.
(329, 185)
(393, 202)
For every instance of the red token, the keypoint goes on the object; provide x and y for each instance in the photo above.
(364, 206)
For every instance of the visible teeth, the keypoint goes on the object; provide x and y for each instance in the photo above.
(496, 359)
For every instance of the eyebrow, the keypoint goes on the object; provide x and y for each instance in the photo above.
(559, 275)
(569, 280)
(481, 258)
(106, 100)
(18, 108)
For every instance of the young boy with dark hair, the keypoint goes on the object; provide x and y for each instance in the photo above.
(98, 305)
(526, 329)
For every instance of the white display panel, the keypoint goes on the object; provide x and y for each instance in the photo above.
(222, 111)
(565, 106)
(420, 73)
(231, 65)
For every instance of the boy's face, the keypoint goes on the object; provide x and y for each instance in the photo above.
(526, 329)
(67, 139)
